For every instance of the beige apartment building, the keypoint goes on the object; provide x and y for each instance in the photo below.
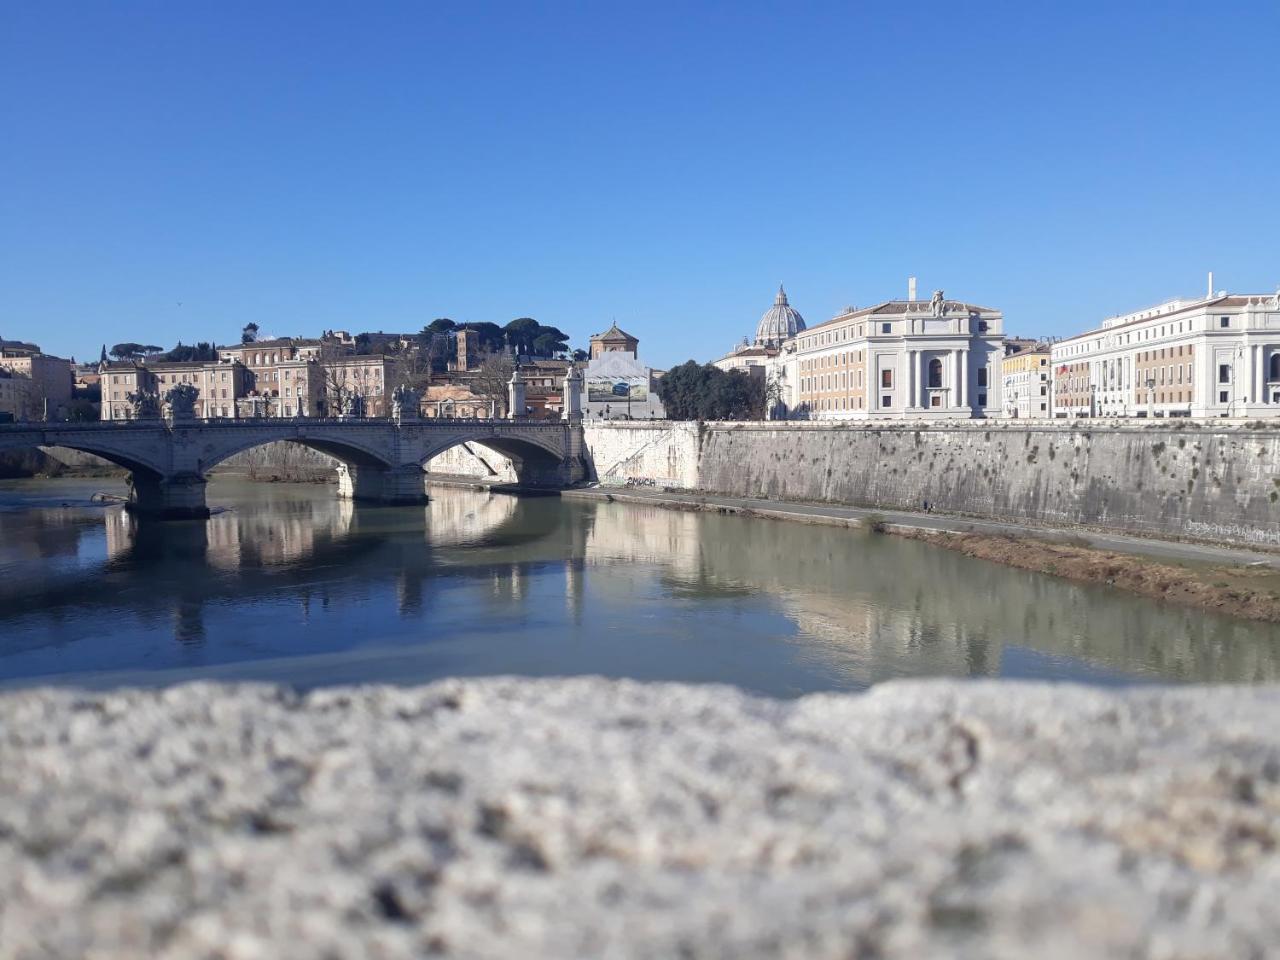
(1217, 356)
(15, 395)
(1026, 383)
(220, 385)
(47, 394)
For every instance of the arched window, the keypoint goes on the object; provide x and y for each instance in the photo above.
(1274, 376)
(935, 372)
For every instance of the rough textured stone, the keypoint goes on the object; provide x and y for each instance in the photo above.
(507, 818)
(1204, 480)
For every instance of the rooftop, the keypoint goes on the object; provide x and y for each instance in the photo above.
(615, 334)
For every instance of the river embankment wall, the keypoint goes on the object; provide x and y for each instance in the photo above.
(1175, 479)
(1185, 479)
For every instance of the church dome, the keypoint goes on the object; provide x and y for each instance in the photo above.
(779, 323)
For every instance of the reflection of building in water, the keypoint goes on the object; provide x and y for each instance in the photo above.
(574, 592)
(508, 583)
(645, 534)
(875, 607)
(285, 535)
(118, 524)
(465, 516)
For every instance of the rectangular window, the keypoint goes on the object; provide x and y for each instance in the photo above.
(1224, 322)
(1224, 373)
(886, 328)
(982, 376)
(935, 401)
(886, 379)
(982, 399)
(886, 401)
(1222, 396)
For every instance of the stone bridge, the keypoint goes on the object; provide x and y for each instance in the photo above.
(378, 460)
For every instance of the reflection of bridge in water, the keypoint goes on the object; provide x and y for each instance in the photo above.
(858, 607)
(378, 460)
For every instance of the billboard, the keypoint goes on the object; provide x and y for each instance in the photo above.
(617, 389)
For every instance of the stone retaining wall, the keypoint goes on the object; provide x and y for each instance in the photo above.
(1200, 480)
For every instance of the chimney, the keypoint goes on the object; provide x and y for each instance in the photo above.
(911, 288)
(1210, 284)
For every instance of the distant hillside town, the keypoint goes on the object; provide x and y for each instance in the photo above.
(1217, 355)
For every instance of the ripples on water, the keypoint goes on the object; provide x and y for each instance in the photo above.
(290, 584)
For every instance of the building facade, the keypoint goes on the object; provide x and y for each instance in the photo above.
(615, 384)
(763, 356)
(1026, 384)
(898, 359)
(47, 393)
(1218, 356)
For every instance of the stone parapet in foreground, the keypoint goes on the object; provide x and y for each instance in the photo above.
(582, 817)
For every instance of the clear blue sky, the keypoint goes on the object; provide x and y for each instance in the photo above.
(377, 165)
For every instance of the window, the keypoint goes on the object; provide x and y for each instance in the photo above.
(886, 401)
(935, 401)
(935, 373)
(1224, 321)
(982, 399)
(886, 328)
(886, 379)
(1222, 396)
(982, 376)
(1224, 373)
(1274, 374)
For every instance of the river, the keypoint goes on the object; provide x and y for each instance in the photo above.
(288, 584)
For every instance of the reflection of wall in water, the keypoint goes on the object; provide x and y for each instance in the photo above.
(882, 606)
(647, 535)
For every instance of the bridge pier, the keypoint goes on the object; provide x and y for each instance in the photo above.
(403, 484)
(179, 497)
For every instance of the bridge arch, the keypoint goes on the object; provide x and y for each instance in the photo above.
(130, 459)
(353, 452)
(536, 461)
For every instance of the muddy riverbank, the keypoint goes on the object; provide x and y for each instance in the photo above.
(1251, 592)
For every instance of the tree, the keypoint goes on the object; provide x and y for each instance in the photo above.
(694, 392)
(491, 380)
(581, 356)
(201, 351)
(126, 351)
(549, 342)
(134, 351)
(520, 333)
(250, 333)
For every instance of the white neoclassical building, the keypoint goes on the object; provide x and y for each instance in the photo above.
(908, 358)
(1217, 356)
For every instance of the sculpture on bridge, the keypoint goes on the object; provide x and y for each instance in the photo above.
(143, 405)
(180, 401)
(404, 403)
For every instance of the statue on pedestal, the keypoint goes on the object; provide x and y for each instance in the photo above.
(143, 405)
(180, 401)
(404, 403)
